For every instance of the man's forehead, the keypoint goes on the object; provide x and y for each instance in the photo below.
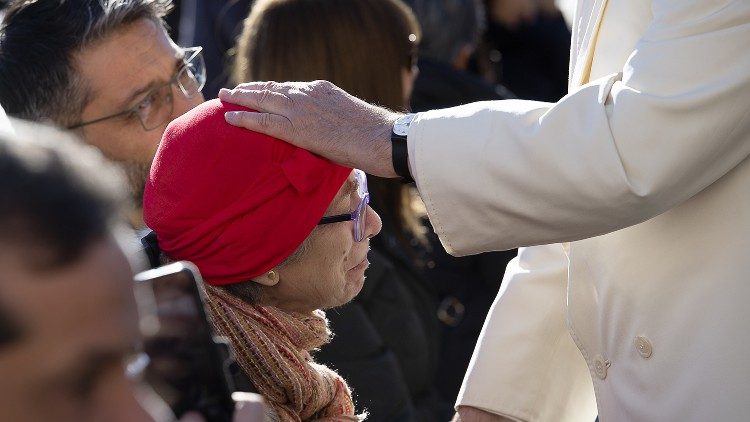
(129, 60)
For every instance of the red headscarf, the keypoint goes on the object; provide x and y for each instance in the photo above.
(234, 202)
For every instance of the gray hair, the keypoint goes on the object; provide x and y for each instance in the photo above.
(38, 42)
(447, 26)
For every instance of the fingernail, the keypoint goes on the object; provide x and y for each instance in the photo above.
(224, 91)
(231, 116)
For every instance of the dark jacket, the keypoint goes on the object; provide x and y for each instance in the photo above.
(463, 288)
(533, 58)
(385, 346)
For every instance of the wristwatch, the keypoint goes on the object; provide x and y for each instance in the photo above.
(399, 150)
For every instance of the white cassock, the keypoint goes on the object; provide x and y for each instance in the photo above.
(641, 177)
(5, 125)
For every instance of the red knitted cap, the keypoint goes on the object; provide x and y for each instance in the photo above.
(234, 202)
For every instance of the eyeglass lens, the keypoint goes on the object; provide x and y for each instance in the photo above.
(157, 109)
(361, 212)
(361, 218)
(192, 76)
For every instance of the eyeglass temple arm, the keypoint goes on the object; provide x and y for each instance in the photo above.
(336, 218)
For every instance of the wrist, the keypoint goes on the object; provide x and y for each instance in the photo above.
(399, 147)
(383, 149)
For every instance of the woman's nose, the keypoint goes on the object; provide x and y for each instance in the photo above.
(374, 223)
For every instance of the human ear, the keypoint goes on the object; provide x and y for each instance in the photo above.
(271, 278)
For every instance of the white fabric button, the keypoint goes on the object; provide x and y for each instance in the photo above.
(600, 367)
(643, 346)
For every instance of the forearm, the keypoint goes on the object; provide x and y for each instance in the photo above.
(612, 154)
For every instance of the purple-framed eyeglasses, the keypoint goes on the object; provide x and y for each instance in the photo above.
(359, 216)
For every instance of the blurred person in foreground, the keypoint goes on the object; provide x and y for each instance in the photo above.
(278, 234)
(104, 68)
(640, 175)
(69, 332)
(386, 342)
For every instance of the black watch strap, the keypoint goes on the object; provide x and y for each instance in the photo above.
(400, 157)
(399, 147)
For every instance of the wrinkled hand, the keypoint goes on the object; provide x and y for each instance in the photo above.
(320, 117)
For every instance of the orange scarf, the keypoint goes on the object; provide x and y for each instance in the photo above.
(273, 349)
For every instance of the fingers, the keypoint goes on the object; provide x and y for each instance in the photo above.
(272, 102)
(270, 124)
(257, 86)
(265, 100)
(282, 86)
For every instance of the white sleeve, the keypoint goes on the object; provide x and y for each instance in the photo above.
(5, 125)
(526, 366)
(616, 152)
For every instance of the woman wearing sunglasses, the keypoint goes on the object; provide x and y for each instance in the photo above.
(278, 234)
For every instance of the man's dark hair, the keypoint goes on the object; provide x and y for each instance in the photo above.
(38, 42)
(447, 26)
(57, 197)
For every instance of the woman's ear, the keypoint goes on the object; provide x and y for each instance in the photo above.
(271, 278)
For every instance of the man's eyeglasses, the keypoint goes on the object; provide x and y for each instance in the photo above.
(359, 216)
(156, 108)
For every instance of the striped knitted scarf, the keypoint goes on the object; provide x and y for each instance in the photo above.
(273, 348)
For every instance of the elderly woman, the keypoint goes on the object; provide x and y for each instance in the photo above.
(278, 234)
(386, 342)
